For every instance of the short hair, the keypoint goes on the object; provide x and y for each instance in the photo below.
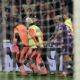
(58, 18)
(28, 20)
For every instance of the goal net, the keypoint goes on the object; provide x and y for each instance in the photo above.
(45, 11)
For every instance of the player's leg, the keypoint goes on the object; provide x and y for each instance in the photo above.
(21, 67)
(68, 50)
(27, 56)
(30, 60)
(41, 64)
(28, 53)
(22, 70)
(57, 58)
(23, 53)
(66, 62)
(16, 56)
(33, 61)
(15, 50)
(26, 61)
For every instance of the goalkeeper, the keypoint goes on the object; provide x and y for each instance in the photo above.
(36, 43)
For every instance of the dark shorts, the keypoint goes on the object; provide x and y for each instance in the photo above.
(68, 45)
(59, 51)
(68, 50)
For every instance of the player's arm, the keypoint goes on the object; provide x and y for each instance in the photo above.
(14, 37)
(53, 38)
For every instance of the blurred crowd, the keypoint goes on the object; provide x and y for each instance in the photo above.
(12, 11)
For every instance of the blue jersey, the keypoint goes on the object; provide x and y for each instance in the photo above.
(67, 38)
(66, 33)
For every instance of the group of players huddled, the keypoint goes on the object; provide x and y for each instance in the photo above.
(28, 44)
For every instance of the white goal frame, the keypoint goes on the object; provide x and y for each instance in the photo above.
(77, 40)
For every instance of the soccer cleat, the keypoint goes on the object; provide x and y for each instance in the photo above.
(63, 74)
(24, 73)
(43, 71)
(22, 70)
(21, 61)
(34, 68)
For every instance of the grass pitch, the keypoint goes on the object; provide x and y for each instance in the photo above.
(18, 76)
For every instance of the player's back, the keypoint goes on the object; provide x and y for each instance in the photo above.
(36, 32)
(21, 30)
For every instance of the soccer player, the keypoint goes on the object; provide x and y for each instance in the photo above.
(20, 45)
(67, 37)
(57, 40)
(36, 43)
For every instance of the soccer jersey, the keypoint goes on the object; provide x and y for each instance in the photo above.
(67, 38)
(35, 36)
(22, 32)
(20, 40)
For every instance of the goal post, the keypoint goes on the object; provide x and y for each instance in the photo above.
(77, 40)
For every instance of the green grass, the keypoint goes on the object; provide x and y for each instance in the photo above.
(18, 76)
